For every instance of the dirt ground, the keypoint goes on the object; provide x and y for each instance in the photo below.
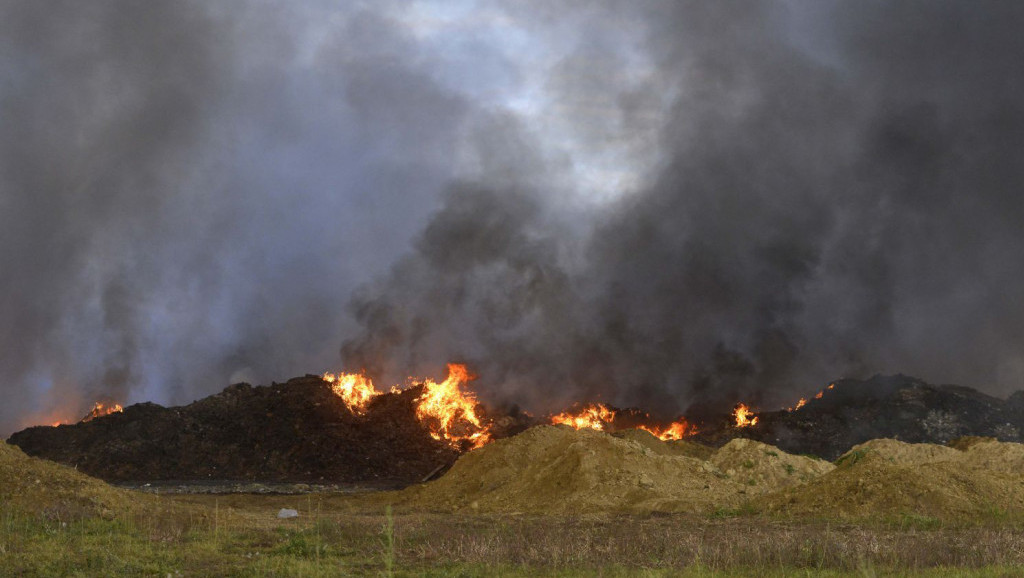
(551, 501)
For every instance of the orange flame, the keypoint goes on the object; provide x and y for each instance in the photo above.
(450, 413)
(819, 395)
(446, 411)
(744, 416)
(355, 389)
(674, 431)
(595, 416)
(799, 404)
(99, 410)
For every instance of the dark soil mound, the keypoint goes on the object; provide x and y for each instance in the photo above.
(296, 431)
(897, 407)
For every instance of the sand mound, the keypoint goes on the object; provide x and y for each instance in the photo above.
(994, 456)
(888, 477)
(897, 452)
(666, 448)
(561, 470)
(766, 468)
(32, 486)
(962, 443)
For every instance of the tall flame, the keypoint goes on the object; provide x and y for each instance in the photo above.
(595, 416)
(446, 411)
(354, 388)
(449, 412)
(744, 416)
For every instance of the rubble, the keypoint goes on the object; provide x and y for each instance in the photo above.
(897, 407)
(298, 431)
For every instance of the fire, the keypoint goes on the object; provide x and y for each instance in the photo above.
(449, 412)
(99, 410)
(600, 417)
(355, 389)
(674, 431)
(744, 416)
(819, 395)
(446, 411)
(594, 416)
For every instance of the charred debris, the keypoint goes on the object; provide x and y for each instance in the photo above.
(301, 431)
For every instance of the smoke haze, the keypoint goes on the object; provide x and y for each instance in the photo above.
(671, 204)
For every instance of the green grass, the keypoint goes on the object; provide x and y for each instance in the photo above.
(331, 540)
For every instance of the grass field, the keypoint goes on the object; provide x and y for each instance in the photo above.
(239, 535)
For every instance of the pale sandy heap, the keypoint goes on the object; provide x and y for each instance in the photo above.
(892, 478)
(556, 469)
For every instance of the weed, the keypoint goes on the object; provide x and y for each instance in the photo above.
(851, 458)
(388, 532)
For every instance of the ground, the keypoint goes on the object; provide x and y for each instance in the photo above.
(551, 501)
(352, 535)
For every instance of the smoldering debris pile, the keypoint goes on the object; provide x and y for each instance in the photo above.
(297, 431)
(900, 407)
(302, 431)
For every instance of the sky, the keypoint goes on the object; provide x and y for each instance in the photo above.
(672, 204)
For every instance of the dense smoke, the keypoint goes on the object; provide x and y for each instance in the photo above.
(190, 191)
(693, 202)
(838, 196)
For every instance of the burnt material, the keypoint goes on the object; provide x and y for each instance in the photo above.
(900, 407)
(296, 431)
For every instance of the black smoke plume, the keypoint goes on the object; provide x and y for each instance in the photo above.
(839, 196)
(682, 204)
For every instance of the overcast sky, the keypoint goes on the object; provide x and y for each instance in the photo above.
(654, 202)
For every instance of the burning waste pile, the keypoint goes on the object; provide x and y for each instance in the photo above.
(850, 412)
(336, 427)
(341, 429)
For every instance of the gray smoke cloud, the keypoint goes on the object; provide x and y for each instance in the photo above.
(672, 204)
(838, 196)
(190, 191)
